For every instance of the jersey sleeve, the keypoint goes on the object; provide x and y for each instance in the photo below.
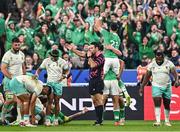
(104, 32)
(99, 60)
(5, 59)
(38, 88)
(149, 67)
(171, 65)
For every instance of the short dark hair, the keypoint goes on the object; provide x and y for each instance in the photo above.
(159, 52)
(54, 53)
(64, 53)
(98, 45)
(114, 14)
(49, 11)
(114, 26)
(15, 40)
(96, 6)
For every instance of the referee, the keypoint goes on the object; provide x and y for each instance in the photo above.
(96, 84)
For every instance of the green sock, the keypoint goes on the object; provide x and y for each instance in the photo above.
(116, 115)
(123, 87)
(48, 117)
(61, 115)
(122, 113)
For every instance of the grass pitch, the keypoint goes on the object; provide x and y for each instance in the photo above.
(108, 126)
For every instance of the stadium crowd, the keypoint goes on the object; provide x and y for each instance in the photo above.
(143, 27)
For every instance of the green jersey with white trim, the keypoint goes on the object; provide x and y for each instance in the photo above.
(110, 38)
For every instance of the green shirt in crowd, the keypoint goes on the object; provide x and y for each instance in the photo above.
(170, 24)
(78, 36)
(2, 26)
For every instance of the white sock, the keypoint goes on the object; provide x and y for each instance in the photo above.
(38, 117)
(19, 117)
(158, 114)
(166, 115)
(26, 118)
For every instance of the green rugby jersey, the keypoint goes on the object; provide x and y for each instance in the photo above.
(110, 38)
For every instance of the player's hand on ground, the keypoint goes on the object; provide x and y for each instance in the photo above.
(85, 110)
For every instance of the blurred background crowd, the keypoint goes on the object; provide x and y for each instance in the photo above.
(43, 25)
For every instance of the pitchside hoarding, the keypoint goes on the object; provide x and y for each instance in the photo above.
(149, 106)
(76, 98)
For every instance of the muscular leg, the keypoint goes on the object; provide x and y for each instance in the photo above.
(157, 104)
(25, 98)
(48, 109)
(98, 103)
(57, 109)
(105, 98)
(115, 99)
(166, 103)
(5, 106)
(122, 110)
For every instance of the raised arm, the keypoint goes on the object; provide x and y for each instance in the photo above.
(77, 52)
(7, 19)
(117, 7)
(20, 24)
(72, 15)
(161, 12)
(58, 14)
(81, 20)
(98, 25)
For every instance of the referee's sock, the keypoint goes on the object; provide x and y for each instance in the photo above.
(99, 113)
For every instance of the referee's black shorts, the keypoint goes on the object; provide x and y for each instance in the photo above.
(96, 86)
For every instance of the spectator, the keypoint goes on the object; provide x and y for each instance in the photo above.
(36, 61)
(28, 63)
(175, 57)
(73, 21)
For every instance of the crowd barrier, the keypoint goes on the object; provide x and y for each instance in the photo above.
(81, 76)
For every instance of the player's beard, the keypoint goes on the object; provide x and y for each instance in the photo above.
(16, 50)
(160, 62)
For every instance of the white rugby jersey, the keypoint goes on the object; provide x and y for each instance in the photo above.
(54, 69)
(39, 104)
(160, 74)
(32, 85)
(14, 62)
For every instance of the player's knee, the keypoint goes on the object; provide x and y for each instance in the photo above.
(166, 103)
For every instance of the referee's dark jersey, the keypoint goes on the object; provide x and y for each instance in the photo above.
(96, 84)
